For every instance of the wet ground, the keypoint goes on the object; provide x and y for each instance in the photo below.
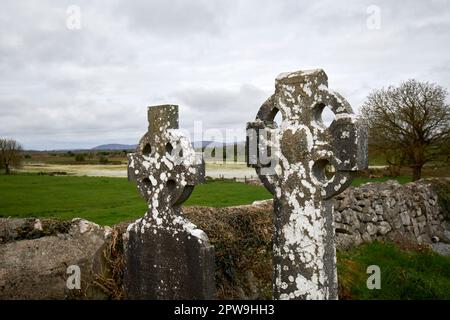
(214, 170)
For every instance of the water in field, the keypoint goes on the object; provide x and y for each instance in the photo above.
(236, 170)
(79, 170)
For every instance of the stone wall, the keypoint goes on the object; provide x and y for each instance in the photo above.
(380, 211)
(390, 211)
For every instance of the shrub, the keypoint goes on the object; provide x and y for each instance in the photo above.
(103, 160)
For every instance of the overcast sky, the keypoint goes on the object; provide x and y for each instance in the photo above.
(67, 87)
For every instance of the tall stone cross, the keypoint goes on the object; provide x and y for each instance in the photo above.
(166, 256)
(291, 160)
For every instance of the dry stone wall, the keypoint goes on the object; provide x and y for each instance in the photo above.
(379, 211)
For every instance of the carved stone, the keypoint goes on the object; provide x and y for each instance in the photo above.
(291, 159)
(166, 256)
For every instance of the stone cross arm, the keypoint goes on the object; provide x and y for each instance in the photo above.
(165, 165)
(303, 137)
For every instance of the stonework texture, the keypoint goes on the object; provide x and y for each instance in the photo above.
(386, 211)
(166, 256)
(291, 158)
(35, 255)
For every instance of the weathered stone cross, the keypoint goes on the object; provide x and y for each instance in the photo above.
(166, 256)
(291, 160)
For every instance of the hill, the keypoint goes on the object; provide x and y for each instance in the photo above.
(115, 146)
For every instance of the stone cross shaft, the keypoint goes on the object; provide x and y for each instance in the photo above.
(291, 159)
(165, 165)
(166, 256)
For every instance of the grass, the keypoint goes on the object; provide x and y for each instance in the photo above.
(223, 193)
(102, 200)
(405, 274)
(110, 200)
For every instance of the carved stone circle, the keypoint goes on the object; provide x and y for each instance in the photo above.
(291, 159)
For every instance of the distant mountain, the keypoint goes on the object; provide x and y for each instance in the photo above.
(214, 144)
(195, 144)
(115, 146)
(201, 144)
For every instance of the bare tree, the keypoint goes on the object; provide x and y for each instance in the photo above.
(409, 123)
(10, 154)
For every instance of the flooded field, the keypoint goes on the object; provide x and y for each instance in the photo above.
(214, 170)
(78, 170)
(238, 170)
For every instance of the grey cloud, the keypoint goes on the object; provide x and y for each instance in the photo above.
(222, 100)
(221, 108)
(216, 59)
(176, 18)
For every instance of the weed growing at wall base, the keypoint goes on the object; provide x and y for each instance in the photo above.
(406, 274)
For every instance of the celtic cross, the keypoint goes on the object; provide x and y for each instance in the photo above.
(167, 257)
(291, 160)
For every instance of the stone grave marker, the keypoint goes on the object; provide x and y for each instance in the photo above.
(166, 256)
(291, 159)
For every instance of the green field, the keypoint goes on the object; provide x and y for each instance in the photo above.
(226, 193)
(103, 200)
(109, 200)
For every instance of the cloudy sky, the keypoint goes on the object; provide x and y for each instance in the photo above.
(69, 83)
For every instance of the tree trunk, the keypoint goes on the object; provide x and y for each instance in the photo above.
(417, 172)
(7, 171)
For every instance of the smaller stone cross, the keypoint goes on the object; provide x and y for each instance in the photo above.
(167, 257)
(291, 160)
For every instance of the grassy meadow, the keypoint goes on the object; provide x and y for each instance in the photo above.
(108, 201)
(103, 200)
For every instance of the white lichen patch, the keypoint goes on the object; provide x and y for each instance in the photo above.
(153, 181)
(301, 238)
(37, 225)
(345, 135)
(87, 226)
(190, 228)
